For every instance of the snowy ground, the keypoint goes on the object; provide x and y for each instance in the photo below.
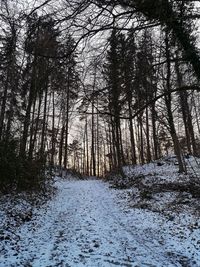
(89, 224)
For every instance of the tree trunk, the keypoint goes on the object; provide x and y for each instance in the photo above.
(148, 137)
(53, 136)
(32, 126)
(42, 148)
(67, 120)
(87, 146)
(3, 107)
(93, 156)
(133, 152)
(28, 112)
(141, 141)
(61, 145)
(32, 144)
(155, 138)
(175, 140)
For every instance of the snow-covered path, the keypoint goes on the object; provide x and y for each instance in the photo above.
(84, 226)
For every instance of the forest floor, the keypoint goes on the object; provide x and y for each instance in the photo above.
(88, 223)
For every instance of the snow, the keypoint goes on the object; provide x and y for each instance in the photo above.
(167, 171)
(89, 224)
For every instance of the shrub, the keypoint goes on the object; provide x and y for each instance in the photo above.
(9, 165)
(18, 173)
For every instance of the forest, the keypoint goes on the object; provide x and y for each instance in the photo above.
(99, 133)
(96, 85)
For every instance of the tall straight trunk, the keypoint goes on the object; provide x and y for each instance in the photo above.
(3, 107)
(123, 162)
(187, 117)
(191, 131)
(32, 124)
(113, 142)
(126, 143)
(67, 120)
(42, 148)
(103, 159)
(82, 158)
(74, 160)
(184, 107)
(66, 144)
(133, 152)
(26, 124)
(109, 146)
(93, 156)
(137, 138)
(87, 146)
(148, 136)
(196, 113)
(60, 156)
(9, 122)
(10, 116)
(141, 141)
(155, 138)
(35, 129)
(9, 79)
(116, 144)
(84, 152)
(175, 140)
(53, 137)
(98, 143)
(28, 112)
(118, 138)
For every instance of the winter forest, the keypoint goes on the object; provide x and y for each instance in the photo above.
(89, 87)
(95, 85)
